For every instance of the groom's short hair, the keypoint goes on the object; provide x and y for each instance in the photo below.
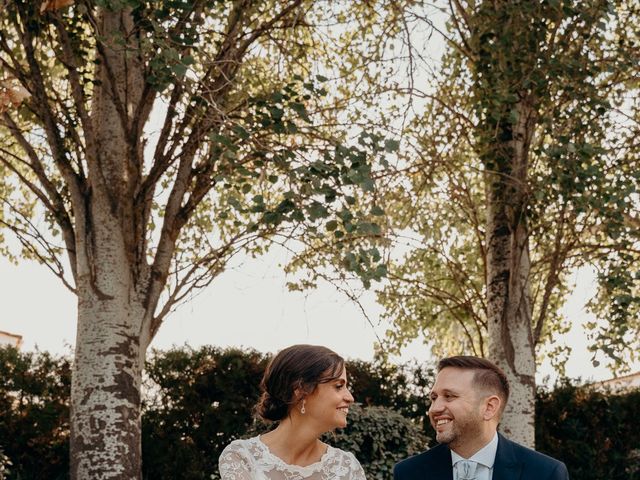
(488, 376)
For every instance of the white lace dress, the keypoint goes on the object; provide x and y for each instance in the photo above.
(252, 460)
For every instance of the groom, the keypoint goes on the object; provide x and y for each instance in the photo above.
(467, 400)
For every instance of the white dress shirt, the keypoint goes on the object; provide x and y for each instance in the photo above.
(485, 457)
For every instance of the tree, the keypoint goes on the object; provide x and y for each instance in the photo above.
(518, 182)
(149, 142)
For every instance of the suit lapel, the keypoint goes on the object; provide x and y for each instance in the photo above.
(441, 468)
(506, 465)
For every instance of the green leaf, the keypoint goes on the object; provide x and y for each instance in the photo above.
(277, 97)
(301, 110)
(276, 113)
(391, 146)
(241, 132)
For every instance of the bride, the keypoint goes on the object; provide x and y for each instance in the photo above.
(305, 390)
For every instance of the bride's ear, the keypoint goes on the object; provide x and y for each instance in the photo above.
(298, 393)
(299, 396)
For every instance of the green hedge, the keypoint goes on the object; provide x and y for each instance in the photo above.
(5, 465)
(379, 438)
(596, 434)
(34, 414)
(403, 388)
(196, 402)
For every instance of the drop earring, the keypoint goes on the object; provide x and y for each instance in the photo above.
(302, 409)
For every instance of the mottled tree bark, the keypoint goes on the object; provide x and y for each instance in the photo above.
(509, 305)
(105, 398)
(109, 356)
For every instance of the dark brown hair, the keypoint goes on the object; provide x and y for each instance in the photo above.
(300, 367)
(488, 376)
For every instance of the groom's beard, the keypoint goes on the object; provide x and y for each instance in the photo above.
(462, 428)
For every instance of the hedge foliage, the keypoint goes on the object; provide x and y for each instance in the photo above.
(379, 438)
(597, 434)
(197, 401)
(34, 414)
(5, 464)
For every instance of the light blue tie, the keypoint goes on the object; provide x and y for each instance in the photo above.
(467, 470)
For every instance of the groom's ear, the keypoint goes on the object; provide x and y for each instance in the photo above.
(492, 406)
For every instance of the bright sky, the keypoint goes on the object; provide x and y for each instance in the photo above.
(250, 306)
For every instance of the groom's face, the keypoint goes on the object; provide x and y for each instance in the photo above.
(456, 408)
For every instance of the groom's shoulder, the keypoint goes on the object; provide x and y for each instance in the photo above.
(422, 460)
(532, 459)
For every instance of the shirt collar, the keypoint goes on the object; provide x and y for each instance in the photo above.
(485, 456)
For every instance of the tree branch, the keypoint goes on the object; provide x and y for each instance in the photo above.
(53, 199)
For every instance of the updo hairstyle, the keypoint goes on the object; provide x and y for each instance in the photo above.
(301, 367)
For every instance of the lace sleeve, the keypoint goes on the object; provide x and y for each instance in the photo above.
(347, 467)
(357, 472)
(234, 464)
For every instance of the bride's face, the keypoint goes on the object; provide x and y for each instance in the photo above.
(328, 405)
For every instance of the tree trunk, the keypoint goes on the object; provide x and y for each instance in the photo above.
(509, 307)
(111, 283)
(105, 395)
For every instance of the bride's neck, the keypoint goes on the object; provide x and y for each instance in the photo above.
(294, 444)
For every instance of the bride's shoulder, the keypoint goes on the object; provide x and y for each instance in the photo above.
(240, 444)
(348, 464)
(339, 452)
(343, 455)
(236, 460)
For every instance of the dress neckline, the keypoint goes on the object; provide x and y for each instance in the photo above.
(311, 468)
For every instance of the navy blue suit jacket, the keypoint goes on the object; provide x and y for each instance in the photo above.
(513, 462)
